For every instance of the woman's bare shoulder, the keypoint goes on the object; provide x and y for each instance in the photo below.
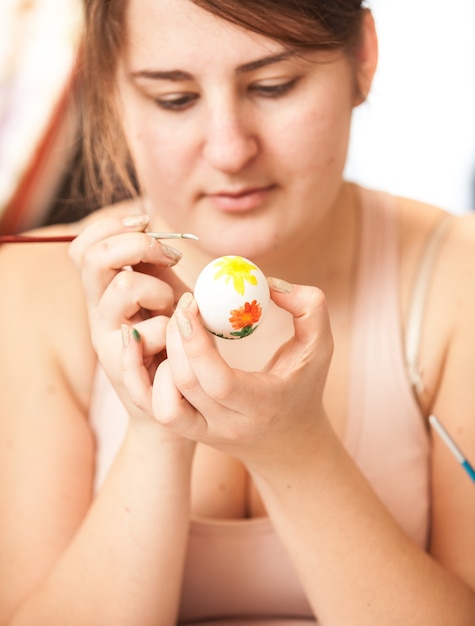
(419, 223)
(41, 275)
(456, 259)
(43, 303)
(457, 264)
(36, 275)
(450, 325)
(445, 274)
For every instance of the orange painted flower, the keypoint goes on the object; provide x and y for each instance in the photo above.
(246, 315)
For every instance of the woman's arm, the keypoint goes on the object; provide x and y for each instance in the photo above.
(355, 563)
(453, 509)
(66, 558)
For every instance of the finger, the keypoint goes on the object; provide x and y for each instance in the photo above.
(232, 403)
(130, 293)
(100, 229)
(136, 377)
(309, 310)
(172, 409)
(153, 333)
(138, 343)
(198, 369)
(180, 367)
(104, 259)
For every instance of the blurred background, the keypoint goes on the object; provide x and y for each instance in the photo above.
(38, 120)
(414, 136)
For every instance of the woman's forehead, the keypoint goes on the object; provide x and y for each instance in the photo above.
(165, 14)
(179, 30)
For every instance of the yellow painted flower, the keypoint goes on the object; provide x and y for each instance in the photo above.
(238, 270)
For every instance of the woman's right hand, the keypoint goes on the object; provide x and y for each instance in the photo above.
(127, 281)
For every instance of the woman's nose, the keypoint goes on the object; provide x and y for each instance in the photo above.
(230, 142)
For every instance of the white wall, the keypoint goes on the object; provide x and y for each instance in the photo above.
(415, 135)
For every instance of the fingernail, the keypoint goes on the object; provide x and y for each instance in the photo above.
(185, 300)
(140, 221)
(279, 285)
(172, 253)
(128, 331)
(183, 323)
(125, 334)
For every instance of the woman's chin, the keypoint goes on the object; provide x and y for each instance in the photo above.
(245, 247)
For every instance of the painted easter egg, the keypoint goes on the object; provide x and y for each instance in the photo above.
(232, 295)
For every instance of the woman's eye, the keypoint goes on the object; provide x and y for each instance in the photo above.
(273, 90)
(176, 102)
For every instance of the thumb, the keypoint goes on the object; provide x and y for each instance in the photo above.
(308, 307)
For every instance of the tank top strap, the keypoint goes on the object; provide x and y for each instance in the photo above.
(419, 300)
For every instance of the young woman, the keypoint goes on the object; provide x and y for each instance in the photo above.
(153, 474)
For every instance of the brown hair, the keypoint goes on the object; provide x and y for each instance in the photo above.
(106, 174)
(299, 24)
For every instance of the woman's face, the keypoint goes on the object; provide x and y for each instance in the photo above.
(234, 138)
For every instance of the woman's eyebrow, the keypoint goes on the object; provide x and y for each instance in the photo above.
(269, 60)
(173, 75)
(181, 75)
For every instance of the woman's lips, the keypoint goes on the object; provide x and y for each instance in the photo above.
(242, 200)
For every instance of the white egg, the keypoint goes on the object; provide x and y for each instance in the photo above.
(233, 296)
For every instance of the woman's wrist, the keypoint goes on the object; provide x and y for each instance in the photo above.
(145, 433)
(320, 453)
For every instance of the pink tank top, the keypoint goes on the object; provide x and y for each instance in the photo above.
(238, 569)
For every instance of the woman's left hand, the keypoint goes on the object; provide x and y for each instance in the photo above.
(259, 417)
